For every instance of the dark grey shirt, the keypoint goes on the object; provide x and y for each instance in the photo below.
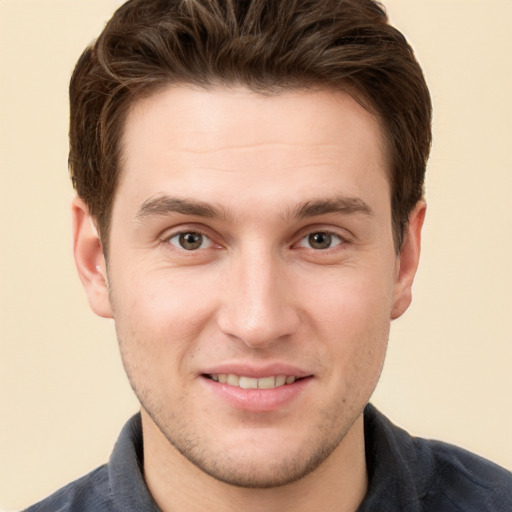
(405, 474)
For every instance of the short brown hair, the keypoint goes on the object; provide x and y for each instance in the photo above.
(266, 45)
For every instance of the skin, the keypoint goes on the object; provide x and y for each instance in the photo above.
(259, 291)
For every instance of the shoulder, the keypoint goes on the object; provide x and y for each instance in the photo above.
(90, 493)
(420, 475)
(116, 486)
(469, 482)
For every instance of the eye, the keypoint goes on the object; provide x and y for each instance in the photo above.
(190, 241)
(320, 241)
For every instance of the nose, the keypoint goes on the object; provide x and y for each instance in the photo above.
(258, 307)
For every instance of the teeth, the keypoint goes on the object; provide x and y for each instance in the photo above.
(281, 380)
(233, 380)
(251, 382)
(248, 383)
(267, 383)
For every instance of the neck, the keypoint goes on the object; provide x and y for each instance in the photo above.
(176, 485)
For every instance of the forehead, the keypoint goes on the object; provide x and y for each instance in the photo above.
(228, 140)
(289, 115)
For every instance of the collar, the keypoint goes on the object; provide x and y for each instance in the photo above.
(400, 469)
(126, 471)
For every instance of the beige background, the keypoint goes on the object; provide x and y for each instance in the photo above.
(63, 394)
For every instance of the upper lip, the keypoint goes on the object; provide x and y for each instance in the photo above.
(255, 371)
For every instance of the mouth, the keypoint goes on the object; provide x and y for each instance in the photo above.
(244, 382)
(253, 389)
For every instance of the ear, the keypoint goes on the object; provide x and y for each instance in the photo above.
(89, 259)
(407, 262)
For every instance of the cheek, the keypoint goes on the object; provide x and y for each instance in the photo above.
(159, 318)
(353, 297)
(352, 315)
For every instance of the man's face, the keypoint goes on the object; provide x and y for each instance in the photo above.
(251, 246)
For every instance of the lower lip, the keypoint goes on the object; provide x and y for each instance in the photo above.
(258, 400)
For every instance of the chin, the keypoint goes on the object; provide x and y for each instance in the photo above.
(257, 458)
(239, 471)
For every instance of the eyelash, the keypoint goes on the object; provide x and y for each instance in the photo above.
(330, 235)
(339, 240)
(191, 232)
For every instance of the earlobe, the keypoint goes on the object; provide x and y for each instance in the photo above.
(408, 261)
(89, 259)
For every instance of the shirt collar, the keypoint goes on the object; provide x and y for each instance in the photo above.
(399, 470)
(126, 473)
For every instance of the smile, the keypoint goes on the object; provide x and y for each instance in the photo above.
(244, 382)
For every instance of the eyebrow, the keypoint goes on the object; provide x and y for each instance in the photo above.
(164, 205)
(344, 205)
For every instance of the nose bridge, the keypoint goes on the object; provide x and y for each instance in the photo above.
(258, 303)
